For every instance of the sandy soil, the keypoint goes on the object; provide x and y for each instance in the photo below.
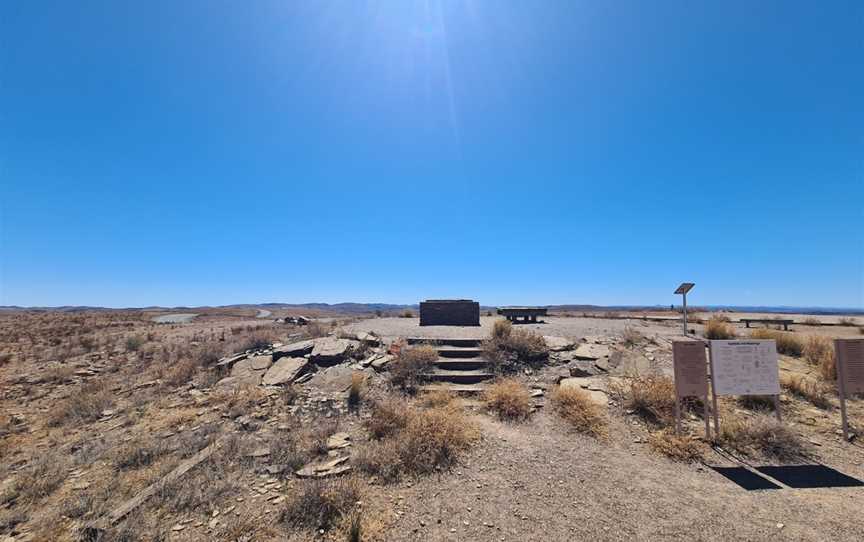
(537, 481)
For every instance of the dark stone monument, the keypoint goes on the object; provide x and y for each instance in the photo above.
(449, 312)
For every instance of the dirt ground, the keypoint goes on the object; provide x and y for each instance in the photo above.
(532, 480)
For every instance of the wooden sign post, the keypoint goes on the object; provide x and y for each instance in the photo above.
(691, 377)
(849, 355)
(744, 367)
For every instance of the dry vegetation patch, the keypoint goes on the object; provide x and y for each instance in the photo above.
(787, 342)
(407, 370)
(412, 440)
(576, 408)
(762, 435)
(652, 397)
(509, 348)
(83, 405)
(509, 399)
(677, 447)
(718, 328)
(322, 504)
(819, 351)
(807, 389)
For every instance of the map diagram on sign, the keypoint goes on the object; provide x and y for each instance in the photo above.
(745, 368)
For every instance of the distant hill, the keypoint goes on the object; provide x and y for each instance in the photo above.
(389, 308)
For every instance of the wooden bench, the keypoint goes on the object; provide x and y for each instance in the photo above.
(768, 321)
(527, 314)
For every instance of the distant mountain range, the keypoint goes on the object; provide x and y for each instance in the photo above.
(366, 308)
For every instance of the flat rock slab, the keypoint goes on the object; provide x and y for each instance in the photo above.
(330, 350)
(244, 373)
(285, 371)
(332, 379)
(294, 350)
(258, 363)
(592, 351)
(337, 441)
(380, 364)
(558, 344)
(594, 387)
(324, 469)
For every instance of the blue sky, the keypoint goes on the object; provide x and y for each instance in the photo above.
(187, 153)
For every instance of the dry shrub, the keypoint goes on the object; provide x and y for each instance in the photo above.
(209, 482)
(787, 342)
(718, 328)
(631, 337)
(408, 369)
(510, 348)
(811, 321)
(652, 397)
(762, 435)
(575, 407)
(807, 389)
(240, 400)
(440, 399)
(356, 389)
(759, 403)
(84, 405)
(317, 329)
(181, 372)
(321, 504)
(819, 351)
(139, 452)
(388, 417)
(39, 479)
(509, 399)
(676, 447)
(58, 373)
(846, 321)
(413, 440)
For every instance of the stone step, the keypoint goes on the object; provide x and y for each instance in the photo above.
(459, 352)
(462, 364)
(458, 389)
(459, 377)
(456, 341)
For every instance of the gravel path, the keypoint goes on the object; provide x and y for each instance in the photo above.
(537, 481)
(576, 328)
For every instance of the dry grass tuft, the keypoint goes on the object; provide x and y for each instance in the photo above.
(413, 440)
(407, 370)
(787, 342)
(758, 403)
(576, 408)
(355, 392)
(807, 389)
(509, 399)
(84, 405)
(137, 453)
(631, 337)
(38, 480)
(322, 504)
(819, 351)
(718, 328)
(652, 397)
(676, 447)
(509, 348)
(762, 435)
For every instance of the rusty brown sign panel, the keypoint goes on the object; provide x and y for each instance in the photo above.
(691, 368)
(850, 362)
